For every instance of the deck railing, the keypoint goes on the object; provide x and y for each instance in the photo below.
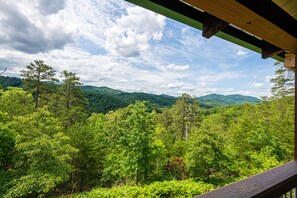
(280, 181)
(290, 194)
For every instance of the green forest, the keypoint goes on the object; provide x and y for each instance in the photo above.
(53, 143)
(105, 99)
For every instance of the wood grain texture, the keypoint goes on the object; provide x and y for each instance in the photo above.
(289, 6)
(271, 183)
(240, 16)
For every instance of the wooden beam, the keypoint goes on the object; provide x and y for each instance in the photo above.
(273, 13)
(193, 17)
(269, 50)
(237, 14)
(269, 184)
(212, 25)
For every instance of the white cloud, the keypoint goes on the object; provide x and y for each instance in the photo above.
(179, 85)
(24, 28)
(256, 85)
(51, 6)
(241, 53)
(103, 33)
(268, 78)
(177, 67)
(132, 32)
(212, 76)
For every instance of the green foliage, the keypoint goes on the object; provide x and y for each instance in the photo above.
(206, 156)
(186, 116)
(104, 99)
(59, 148)
(43, 155)
(175, 125)
(214, 100)
(283, 81)
(16, 102)
(103, 103)
(37, 77)
(101, 90)
(175, 169)
(134, 154)
(137, 142)
(113, 170)
(258, 131)
(7, 81)
(68, 103)
(88, 161)
(7, 143)
(186, 188)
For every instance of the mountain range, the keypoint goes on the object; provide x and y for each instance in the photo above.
(105, 99)
(102, 99)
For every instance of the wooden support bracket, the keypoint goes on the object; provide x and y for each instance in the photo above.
(269, 50)
(212, 25)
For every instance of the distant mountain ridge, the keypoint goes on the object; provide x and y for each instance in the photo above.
(159, 101)
(227, 100)
(105, 99)
(102, 90)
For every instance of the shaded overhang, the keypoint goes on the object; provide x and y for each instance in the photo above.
(268, 27)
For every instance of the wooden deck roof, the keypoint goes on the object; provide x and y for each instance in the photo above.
(267, 26)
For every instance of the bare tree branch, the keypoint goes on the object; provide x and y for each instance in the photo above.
(4, 70)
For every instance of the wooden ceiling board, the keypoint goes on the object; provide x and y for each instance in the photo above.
(290, 6)
(240, 16)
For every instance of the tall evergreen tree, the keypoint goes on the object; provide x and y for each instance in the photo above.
(186, 115)
(72, 99)
(283, 81)
(37, 77)
(70, 89)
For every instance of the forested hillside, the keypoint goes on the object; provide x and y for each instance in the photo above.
(7, 81)
(50, 145)
(215, 100)
(105, 99)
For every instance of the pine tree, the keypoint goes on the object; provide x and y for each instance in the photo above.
(37, 77)
(283, 81)
(186, 115)
(72, 99)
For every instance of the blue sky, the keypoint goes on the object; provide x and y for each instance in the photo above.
(116, 44)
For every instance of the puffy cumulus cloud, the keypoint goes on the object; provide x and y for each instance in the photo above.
(177, 67)
(256, 85)
(24, 29)
(97, 70)
(132, 32)
(51, 6)
(101, 29)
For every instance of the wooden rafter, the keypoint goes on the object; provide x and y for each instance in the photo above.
(269, 50)
(237, 14)
(192, 16)
(212, 25)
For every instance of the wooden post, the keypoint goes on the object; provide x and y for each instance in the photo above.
(295, 133)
